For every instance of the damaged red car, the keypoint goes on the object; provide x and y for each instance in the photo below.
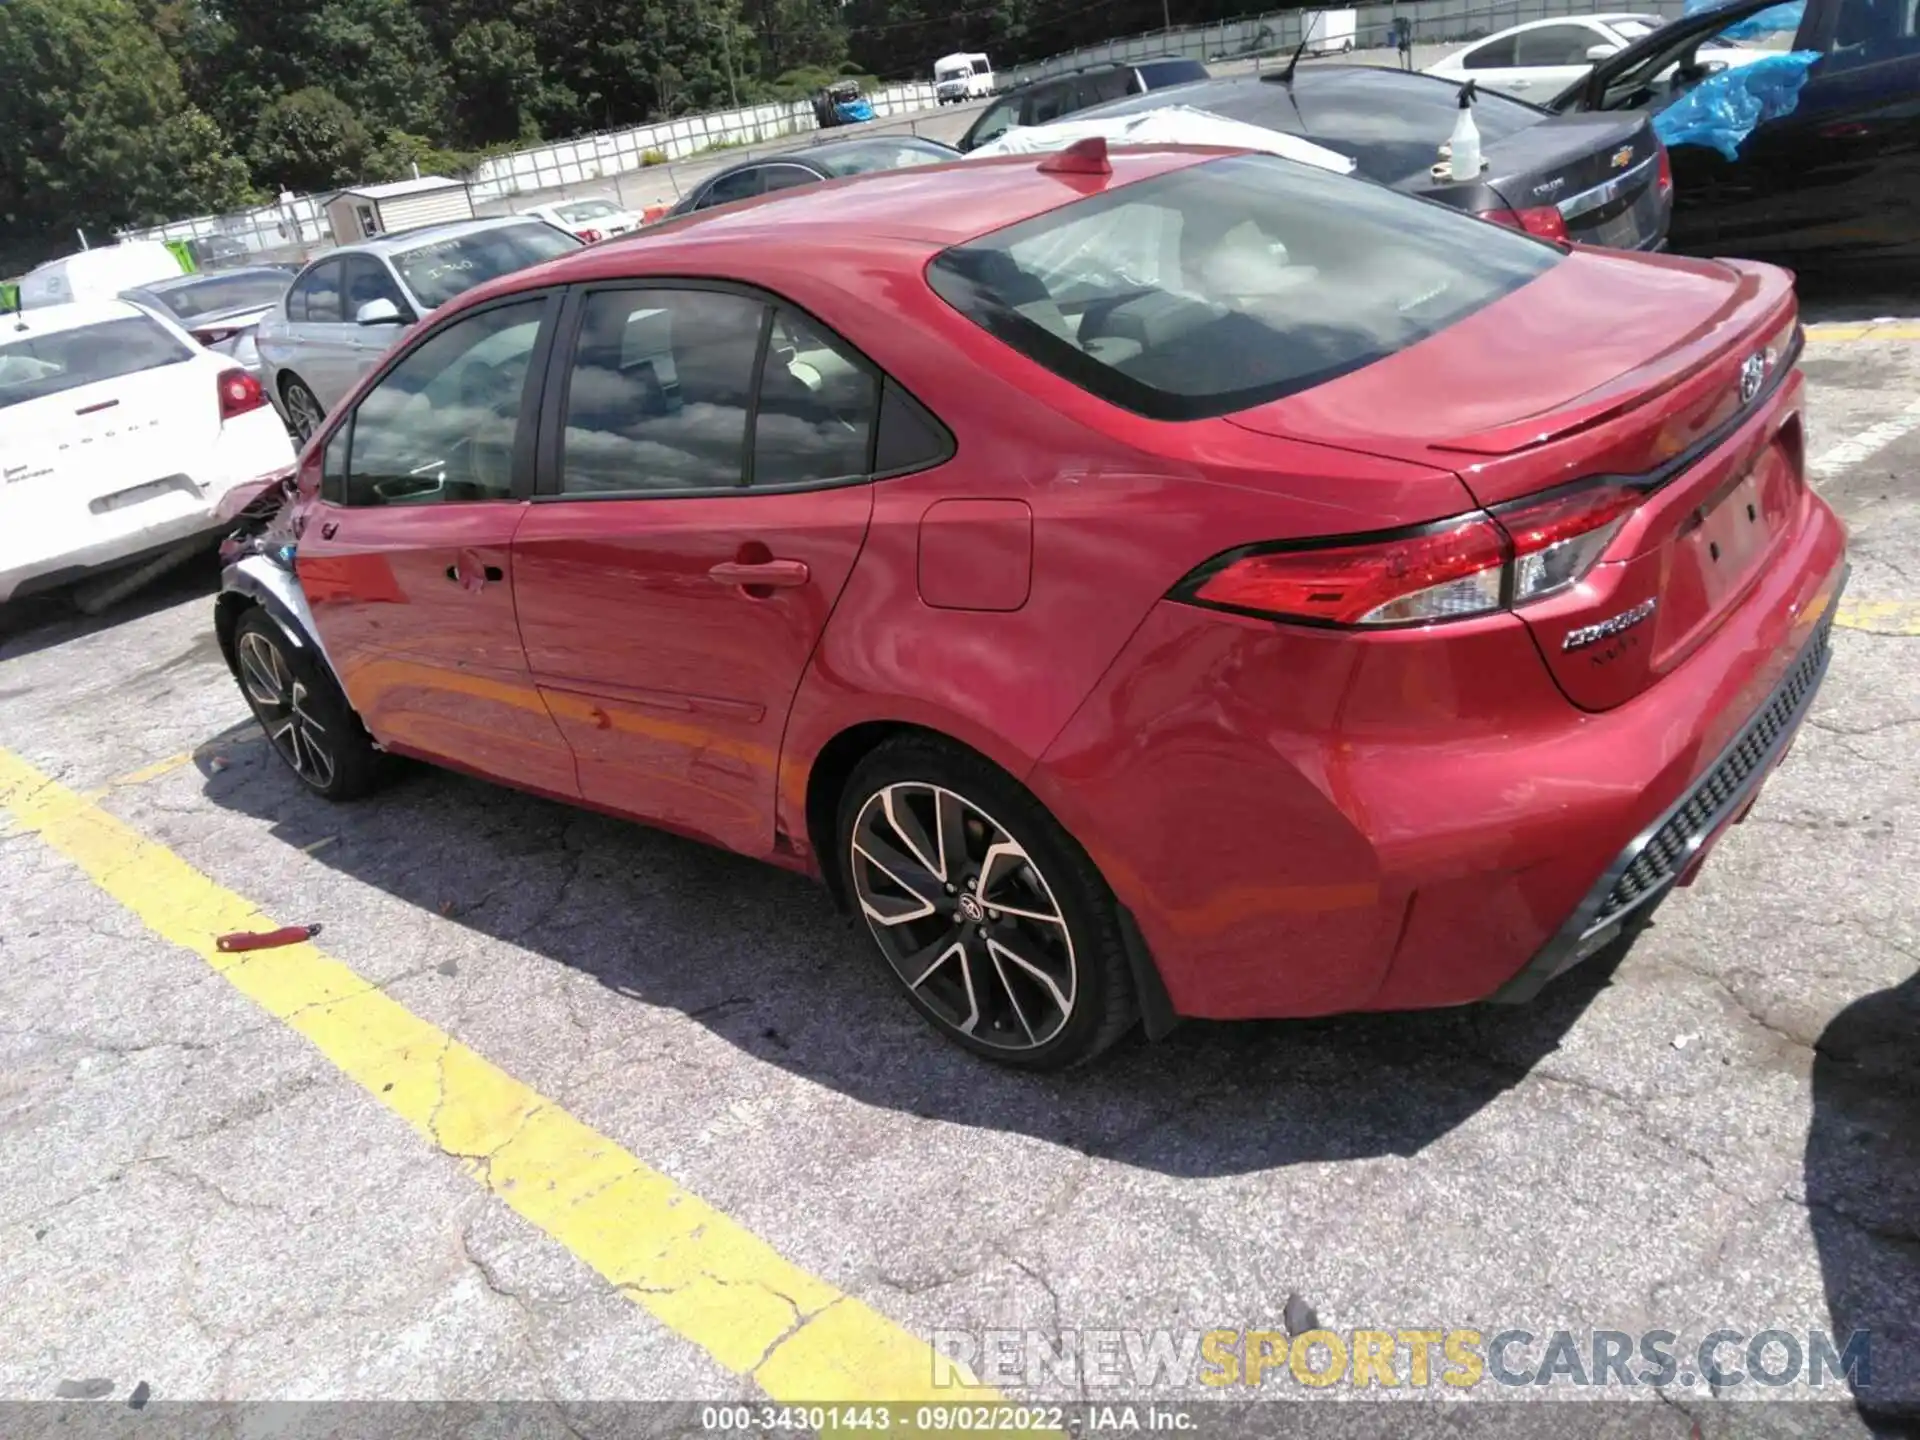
(1173, 583)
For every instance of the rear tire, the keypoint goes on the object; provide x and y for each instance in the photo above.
(308, 721)
(988, 914)
(304, 413)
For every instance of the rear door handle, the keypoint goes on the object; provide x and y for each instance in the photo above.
(763, 574)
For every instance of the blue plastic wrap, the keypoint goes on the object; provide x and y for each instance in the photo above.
(1723, 109)
(1767, 22)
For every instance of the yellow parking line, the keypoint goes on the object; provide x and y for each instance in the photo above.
(1837, 331)
(705, 1277)
(1879, 617)
(154, 771)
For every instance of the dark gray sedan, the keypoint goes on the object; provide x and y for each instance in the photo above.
(221, 311)
(829, 160)
(1599, 179)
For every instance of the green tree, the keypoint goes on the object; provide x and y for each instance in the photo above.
(310, 140)
(498, 87)
(98, 130)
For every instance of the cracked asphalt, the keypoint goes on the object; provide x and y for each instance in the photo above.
(201, 1197)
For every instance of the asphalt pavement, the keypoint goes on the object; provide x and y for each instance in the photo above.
(561, 1110)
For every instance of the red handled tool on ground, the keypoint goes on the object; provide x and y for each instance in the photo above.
(265, 939)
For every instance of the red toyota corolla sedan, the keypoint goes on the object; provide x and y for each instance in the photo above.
(1178, 584)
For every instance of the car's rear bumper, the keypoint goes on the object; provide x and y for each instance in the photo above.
(50, 572)
(1669, 851)
(58, 545)
(1305, 822)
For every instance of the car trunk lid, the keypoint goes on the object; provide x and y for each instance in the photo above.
(84, 451)
(1598, 173)
(1660, 396)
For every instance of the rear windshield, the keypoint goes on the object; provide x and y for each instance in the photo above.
(223, 293)
(1158, 74)
(1232, 283)
(1397, 133)
(442, 269)
(873, 155)
(32, 367)
(586, 210)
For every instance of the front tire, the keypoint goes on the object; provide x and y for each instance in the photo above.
(994, 922)
(304, 412)
(308, 721)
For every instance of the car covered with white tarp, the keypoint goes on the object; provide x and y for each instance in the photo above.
(1166, 125)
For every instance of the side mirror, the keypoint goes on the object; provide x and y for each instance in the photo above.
(1602, 52)
(379, 312)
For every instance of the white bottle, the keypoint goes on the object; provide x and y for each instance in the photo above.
(1463, 150)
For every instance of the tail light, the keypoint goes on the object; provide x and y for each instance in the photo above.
(240, 393)
(1663, 182)
(589, 235)
(1546, 221)
(1474, 565)
(1556, 541)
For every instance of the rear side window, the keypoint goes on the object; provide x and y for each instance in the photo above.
(33, 367)
(740, 185)
(1158, 74)
(1231, 283)
(814, 421)
(1556, 45)
(1498, 55)
(999, 118)
(1049, 102)
(315, 298)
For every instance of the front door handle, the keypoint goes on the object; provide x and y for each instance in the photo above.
(468, 573)
(762, 574)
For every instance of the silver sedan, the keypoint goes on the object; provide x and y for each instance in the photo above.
(346, 309)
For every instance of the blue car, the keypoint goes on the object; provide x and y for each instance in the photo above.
(841, 104)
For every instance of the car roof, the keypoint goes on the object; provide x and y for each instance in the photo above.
(395, 241)
(1607, 19)
(1267, 101)
(829, 148)
(74, 315)
(913, 212)
(180, 282)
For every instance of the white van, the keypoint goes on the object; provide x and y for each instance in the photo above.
(958, 78)
(98, 274)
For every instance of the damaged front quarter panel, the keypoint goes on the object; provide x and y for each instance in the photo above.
(258, 568)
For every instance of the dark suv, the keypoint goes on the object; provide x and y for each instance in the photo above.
(1061, 95)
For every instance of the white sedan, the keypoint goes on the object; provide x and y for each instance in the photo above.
(119, 439)
(1538, 60)
(590, 219)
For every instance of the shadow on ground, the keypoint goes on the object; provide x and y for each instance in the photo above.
(760, 958)
(40, 622)
(1863, 1191)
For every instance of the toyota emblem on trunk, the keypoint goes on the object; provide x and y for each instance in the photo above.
(1753, 371)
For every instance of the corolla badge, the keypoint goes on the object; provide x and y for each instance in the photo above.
(1606, 629)
(1753, 373)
